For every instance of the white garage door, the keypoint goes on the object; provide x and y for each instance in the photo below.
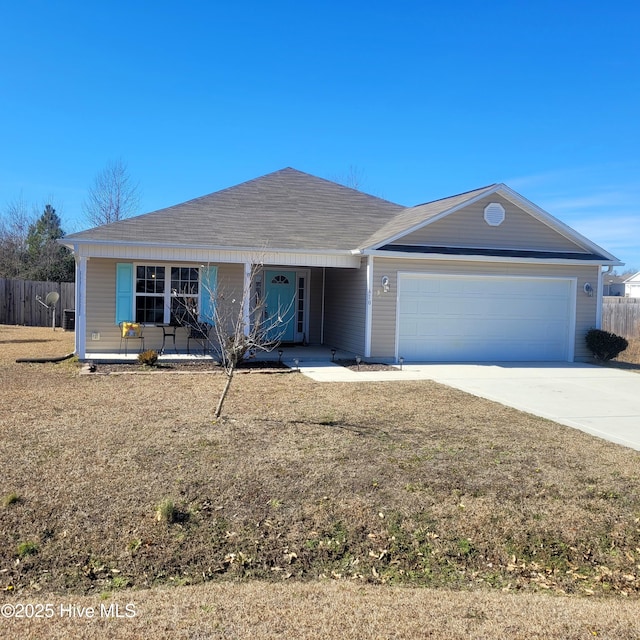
(484, 318)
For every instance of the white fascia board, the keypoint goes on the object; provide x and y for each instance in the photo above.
(466, 258)
(435, 218)
(199, 253)
(632, 278)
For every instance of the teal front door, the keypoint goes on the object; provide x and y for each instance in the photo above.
(280, 304)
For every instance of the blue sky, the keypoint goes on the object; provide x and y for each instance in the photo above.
(425, 99)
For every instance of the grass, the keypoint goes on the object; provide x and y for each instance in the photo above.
(27, 548)
(10, 498)
(631, 355)
(412, 496)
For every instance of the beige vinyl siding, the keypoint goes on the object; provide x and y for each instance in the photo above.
(101, 306)
(383, 331)
(101, 293)
(467, 228)
(345, 300)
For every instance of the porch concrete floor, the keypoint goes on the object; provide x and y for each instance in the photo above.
(312, 353)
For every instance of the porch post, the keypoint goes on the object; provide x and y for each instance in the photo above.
(324, 275)
(81, 306)
(246, 299)
(368, 308)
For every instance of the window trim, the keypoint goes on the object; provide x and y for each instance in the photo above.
(167, 295)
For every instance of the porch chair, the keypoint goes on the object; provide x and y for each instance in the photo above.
(200, 333)
(130, 331)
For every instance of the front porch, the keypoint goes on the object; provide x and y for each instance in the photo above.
(317, 305)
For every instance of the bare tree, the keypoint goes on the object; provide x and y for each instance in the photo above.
(239, 327)
(14, 230)
(113, 195)
(353, 178)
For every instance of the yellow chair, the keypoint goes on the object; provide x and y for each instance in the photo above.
(131, 331)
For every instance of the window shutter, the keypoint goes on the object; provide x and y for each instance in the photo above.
(208, 280)
(124, 292)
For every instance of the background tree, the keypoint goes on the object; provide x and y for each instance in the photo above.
(353, 178)
(14, 228)
(113, 195)
(47, 259)
(29, 247)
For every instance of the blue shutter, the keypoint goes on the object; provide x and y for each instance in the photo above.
(208, 281)
(124, 292)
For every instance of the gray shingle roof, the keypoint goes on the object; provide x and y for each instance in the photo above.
(409, 218)
(286, 209)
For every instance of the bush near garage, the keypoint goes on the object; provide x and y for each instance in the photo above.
(605, 345)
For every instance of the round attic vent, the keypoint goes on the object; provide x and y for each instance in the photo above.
(494, 214)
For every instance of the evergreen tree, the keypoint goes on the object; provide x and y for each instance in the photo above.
(47, 259)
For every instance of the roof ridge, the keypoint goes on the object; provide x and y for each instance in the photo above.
(233, 186)
(273, 173)
(457, 195)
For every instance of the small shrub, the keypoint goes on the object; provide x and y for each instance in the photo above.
(148, 358)
(166, 511)
(10, 499)
(605, 345)
(134, 545)
(27, 548)
(119, 582)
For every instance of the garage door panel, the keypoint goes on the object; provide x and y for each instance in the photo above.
(480, 318)
(408, 306)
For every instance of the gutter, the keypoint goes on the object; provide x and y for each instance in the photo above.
(478, 258)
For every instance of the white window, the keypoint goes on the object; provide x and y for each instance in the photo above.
(166, 294)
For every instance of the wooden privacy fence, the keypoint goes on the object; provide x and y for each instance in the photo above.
(18, 303)
(621, 316)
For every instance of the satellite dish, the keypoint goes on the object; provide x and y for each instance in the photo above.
(50, 302)
(52, 299)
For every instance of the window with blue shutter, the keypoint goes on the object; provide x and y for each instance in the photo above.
(157, 294)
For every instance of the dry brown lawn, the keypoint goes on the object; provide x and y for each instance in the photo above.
(631, 355)
(330, 610)
(311, 510)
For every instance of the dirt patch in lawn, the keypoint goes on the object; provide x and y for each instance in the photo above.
(249, 366)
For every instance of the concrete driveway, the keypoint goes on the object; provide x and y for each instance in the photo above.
(599, 400)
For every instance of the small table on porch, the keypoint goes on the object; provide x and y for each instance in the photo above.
(168, 331)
